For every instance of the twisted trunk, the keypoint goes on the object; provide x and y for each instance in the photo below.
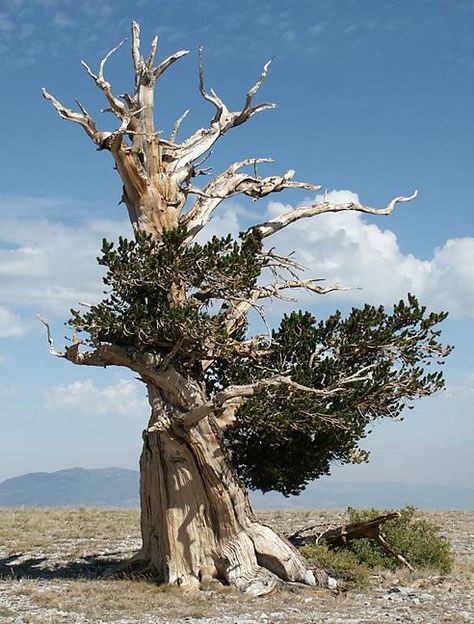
(196, 522)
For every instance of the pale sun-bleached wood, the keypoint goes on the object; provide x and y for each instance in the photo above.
(312, 210)
(231, 183)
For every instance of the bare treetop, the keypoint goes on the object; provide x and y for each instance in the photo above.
(157, 173)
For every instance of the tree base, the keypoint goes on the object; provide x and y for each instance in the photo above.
(197, 523)
(258, 582)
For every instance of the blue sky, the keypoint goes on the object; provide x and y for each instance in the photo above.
(375, 98)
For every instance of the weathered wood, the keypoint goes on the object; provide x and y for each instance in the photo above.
(340, 537)
(197, 523)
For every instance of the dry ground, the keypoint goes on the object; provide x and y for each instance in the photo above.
(51, 562)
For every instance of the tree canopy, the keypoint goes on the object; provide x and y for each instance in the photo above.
(322, 381)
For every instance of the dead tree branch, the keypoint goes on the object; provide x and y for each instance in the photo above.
(116, 106)
(224, 119)
(274, 225)
(230, 183)
(235, 395)
(340, 537)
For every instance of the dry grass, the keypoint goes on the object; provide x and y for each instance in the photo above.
(109, 600)
(61, 551)
(29, 528)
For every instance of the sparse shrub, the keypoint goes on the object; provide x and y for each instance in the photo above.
(418, 540)
(343, 565)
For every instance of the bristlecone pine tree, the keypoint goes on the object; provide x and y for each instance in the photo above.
(229, 409)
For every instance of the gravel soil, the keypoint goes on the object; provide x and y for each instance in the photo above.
(52, 564)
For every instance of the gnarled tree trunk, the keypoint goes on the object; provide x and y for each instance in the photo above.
(197, 523)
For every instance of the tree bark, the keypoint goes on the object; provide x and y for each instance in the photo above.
(196, 522)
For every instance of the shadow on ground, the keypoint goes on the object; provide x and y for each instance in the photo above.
(18, 566)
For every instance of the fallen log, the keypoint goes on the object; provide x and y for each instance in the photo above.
(340, 537)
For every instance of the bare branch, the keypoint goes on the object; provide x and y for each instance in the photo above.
(52, 348)
(147, 365)
(83, 118)
(230, 183)
(234, 312)
(136, 55)
(163, 66)
(83, 109)
(270, 227)
(105, 355)
(248, 110)
(236, 394)
(261, 187)
(177, 125)
(272, 290)
(253, 90)
(116, 106)
(212, 97)
(151, 54)
(224, 119)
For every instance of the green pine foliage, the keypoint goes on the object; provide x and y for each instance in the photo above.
(169, 298)
(343, 565)
(284, 438)
(160, 294)
(417, 539)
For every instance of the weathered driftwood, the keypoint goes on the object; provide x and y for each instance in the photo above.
(341, 536)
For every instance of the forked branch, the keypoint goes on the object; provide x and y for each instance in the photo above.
(116, 106)
(230, 183)
(142, 66)
(235, 395)
(104, 355)
(83, 119)
(224, 119)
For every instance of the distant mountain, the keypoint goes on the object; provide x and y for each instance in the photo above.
(118, 487)
(103, 487)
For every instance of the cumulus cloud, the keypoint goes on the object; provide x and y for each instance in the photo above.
(123, 397)
(10, 324)
(346, 249)
(49, 266)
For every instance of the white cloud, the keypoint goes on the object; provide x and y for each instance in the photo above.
(122, 397)
(10, 324)
(346, 249)
(50, 266)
